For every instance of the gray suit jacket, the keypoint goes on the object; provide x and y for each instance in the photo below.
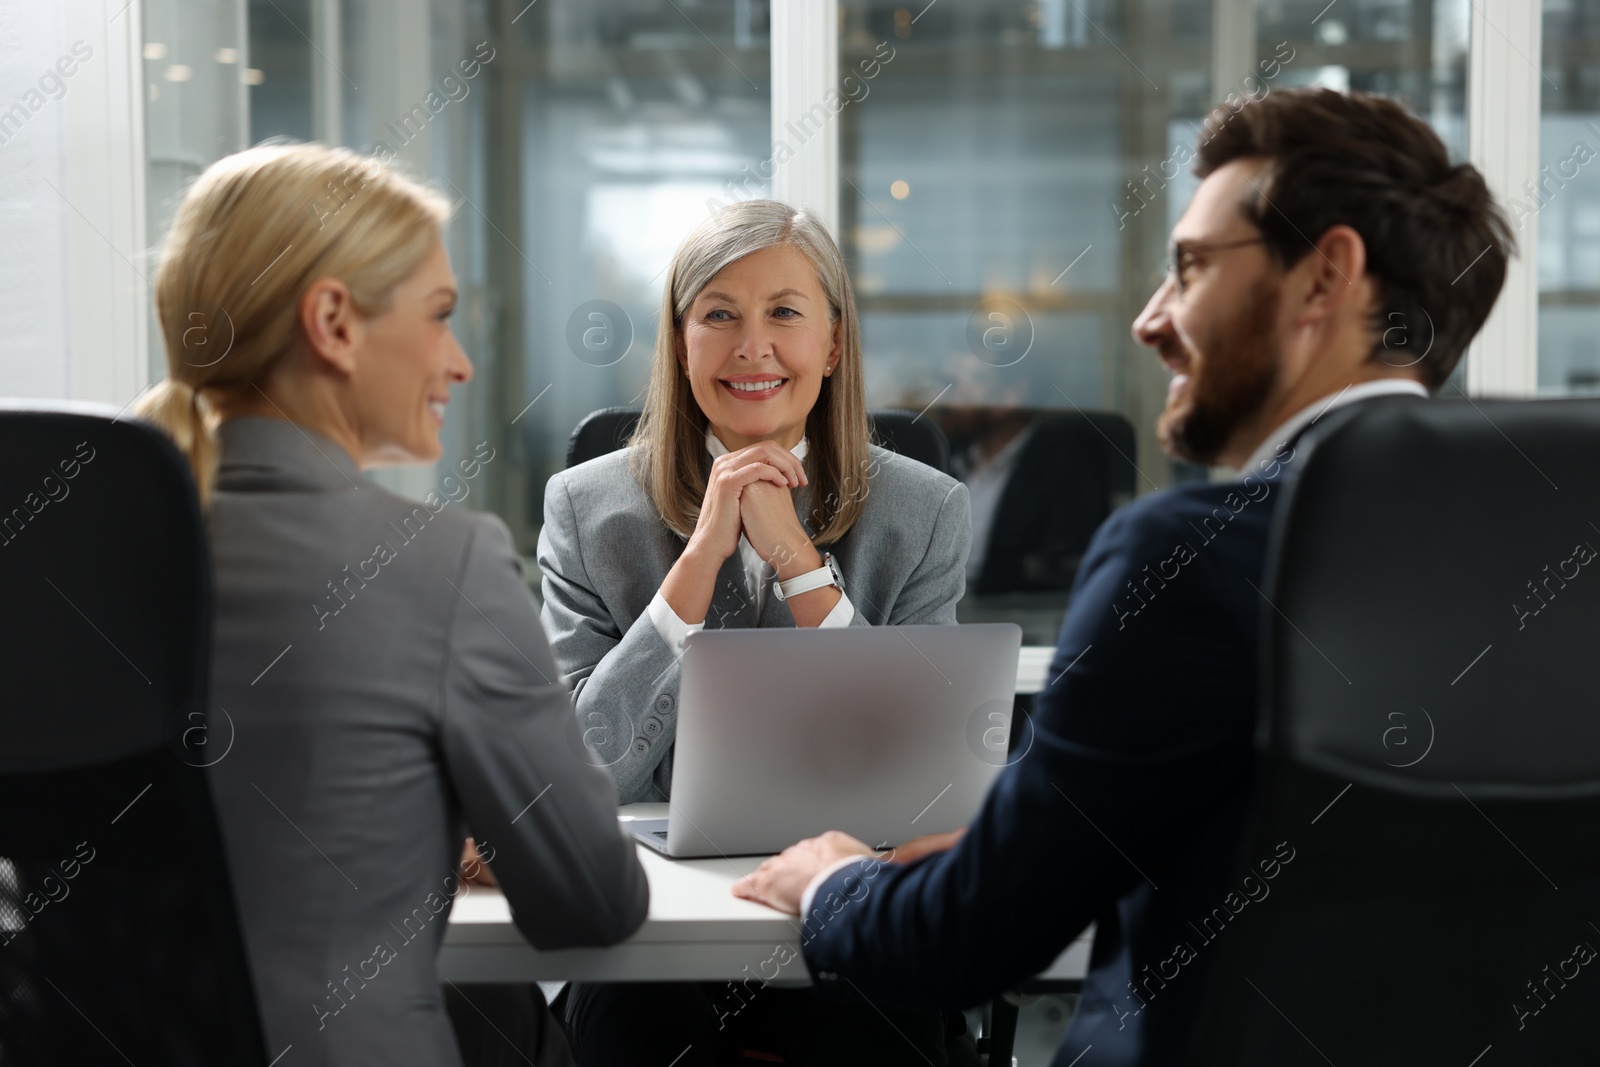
(604, 553)
(385, 686)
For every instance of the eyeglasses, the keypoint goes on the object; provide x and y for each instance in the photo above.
(1177, 252)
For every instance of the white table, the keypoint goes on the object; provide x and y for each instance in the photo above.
(696, 930)
(1032, 667)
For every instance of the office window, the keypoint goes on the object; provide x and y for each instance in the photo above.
(220, 78)
(583, 148)
(197, 77)
(621, 121)
(1009, 172)
(1564, 202)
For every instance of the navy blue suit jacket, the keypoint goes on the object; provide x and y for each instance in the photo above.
(1126, 810)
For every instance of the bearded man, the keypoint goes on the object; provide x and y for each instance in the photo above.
(1332, 255)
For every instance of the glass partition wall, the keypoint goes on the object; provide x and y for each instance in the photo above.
(1564, 202)
(623, 120)
(1007, 170)
(1008, 181)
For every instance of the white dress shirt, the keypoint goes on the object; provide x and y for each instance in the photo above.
(674, 631)
(1312, 412)
(986, 482)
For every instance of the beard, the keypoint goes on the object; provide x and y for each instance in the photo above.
(1229, 385)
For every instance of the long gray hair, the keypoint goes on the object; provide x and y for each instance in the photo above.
(668, 447)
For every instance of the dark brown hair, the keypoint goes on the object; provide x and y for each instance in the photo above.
(1436, 242)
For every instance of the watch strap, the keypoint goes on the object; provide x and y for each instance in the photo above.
(804, 583)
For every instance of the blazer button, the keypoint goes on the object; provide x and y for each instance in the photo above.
(640, 745)
(664, 702)
(651, 727)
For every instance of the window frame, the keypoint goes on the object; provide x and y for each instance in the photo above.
(110, 357)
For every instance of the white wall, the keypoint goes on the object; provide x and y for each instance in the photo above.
(73, 293)
(33, 263)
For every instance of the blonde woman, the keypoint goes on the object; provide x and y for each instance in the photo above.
(380, 661)
(750, 495)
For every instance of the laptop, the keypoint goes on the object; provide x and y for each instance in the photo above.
(884, 732)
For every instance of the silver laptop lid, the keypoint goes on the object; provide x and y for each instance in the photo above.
(884, 732)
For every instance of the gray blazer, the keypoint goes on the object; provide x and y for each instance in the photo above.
(604, 553)
(383, 686)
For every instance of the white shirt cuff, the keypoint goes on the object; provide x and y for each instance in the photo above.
(822, 876)
(673, 630)
(841, 614)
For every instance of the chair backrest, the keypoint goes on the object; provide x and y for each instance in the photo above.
(1074, 469)
(1421, 882)
(608, 429)
(601, 432)
(914, 437)
(118, 936)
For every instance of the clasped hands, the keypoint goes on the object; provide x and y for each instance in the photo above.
(750, 492)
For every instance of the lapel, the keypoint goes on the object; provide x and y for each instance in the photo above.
(1021, 494)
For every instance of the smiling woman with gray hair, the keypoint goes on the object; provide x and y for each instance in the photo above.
(749, 496)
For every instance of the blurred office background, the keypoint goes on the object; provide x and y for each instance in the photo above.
(1002, 176)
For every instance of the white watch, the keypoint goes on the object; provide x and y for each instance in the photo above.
(827, 574)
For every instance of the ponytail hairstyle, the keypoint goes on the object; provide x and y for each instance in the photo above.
(254, 231)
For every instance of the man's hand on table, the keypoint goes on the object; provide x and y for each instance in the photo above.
(782, 880)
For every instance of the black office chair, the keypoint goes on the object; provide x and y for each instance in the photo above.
(601, 432)
(1072, 472)
(608, 429)
(915, 437)
(1074, 469)
(118, 937)
(1431, 751)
